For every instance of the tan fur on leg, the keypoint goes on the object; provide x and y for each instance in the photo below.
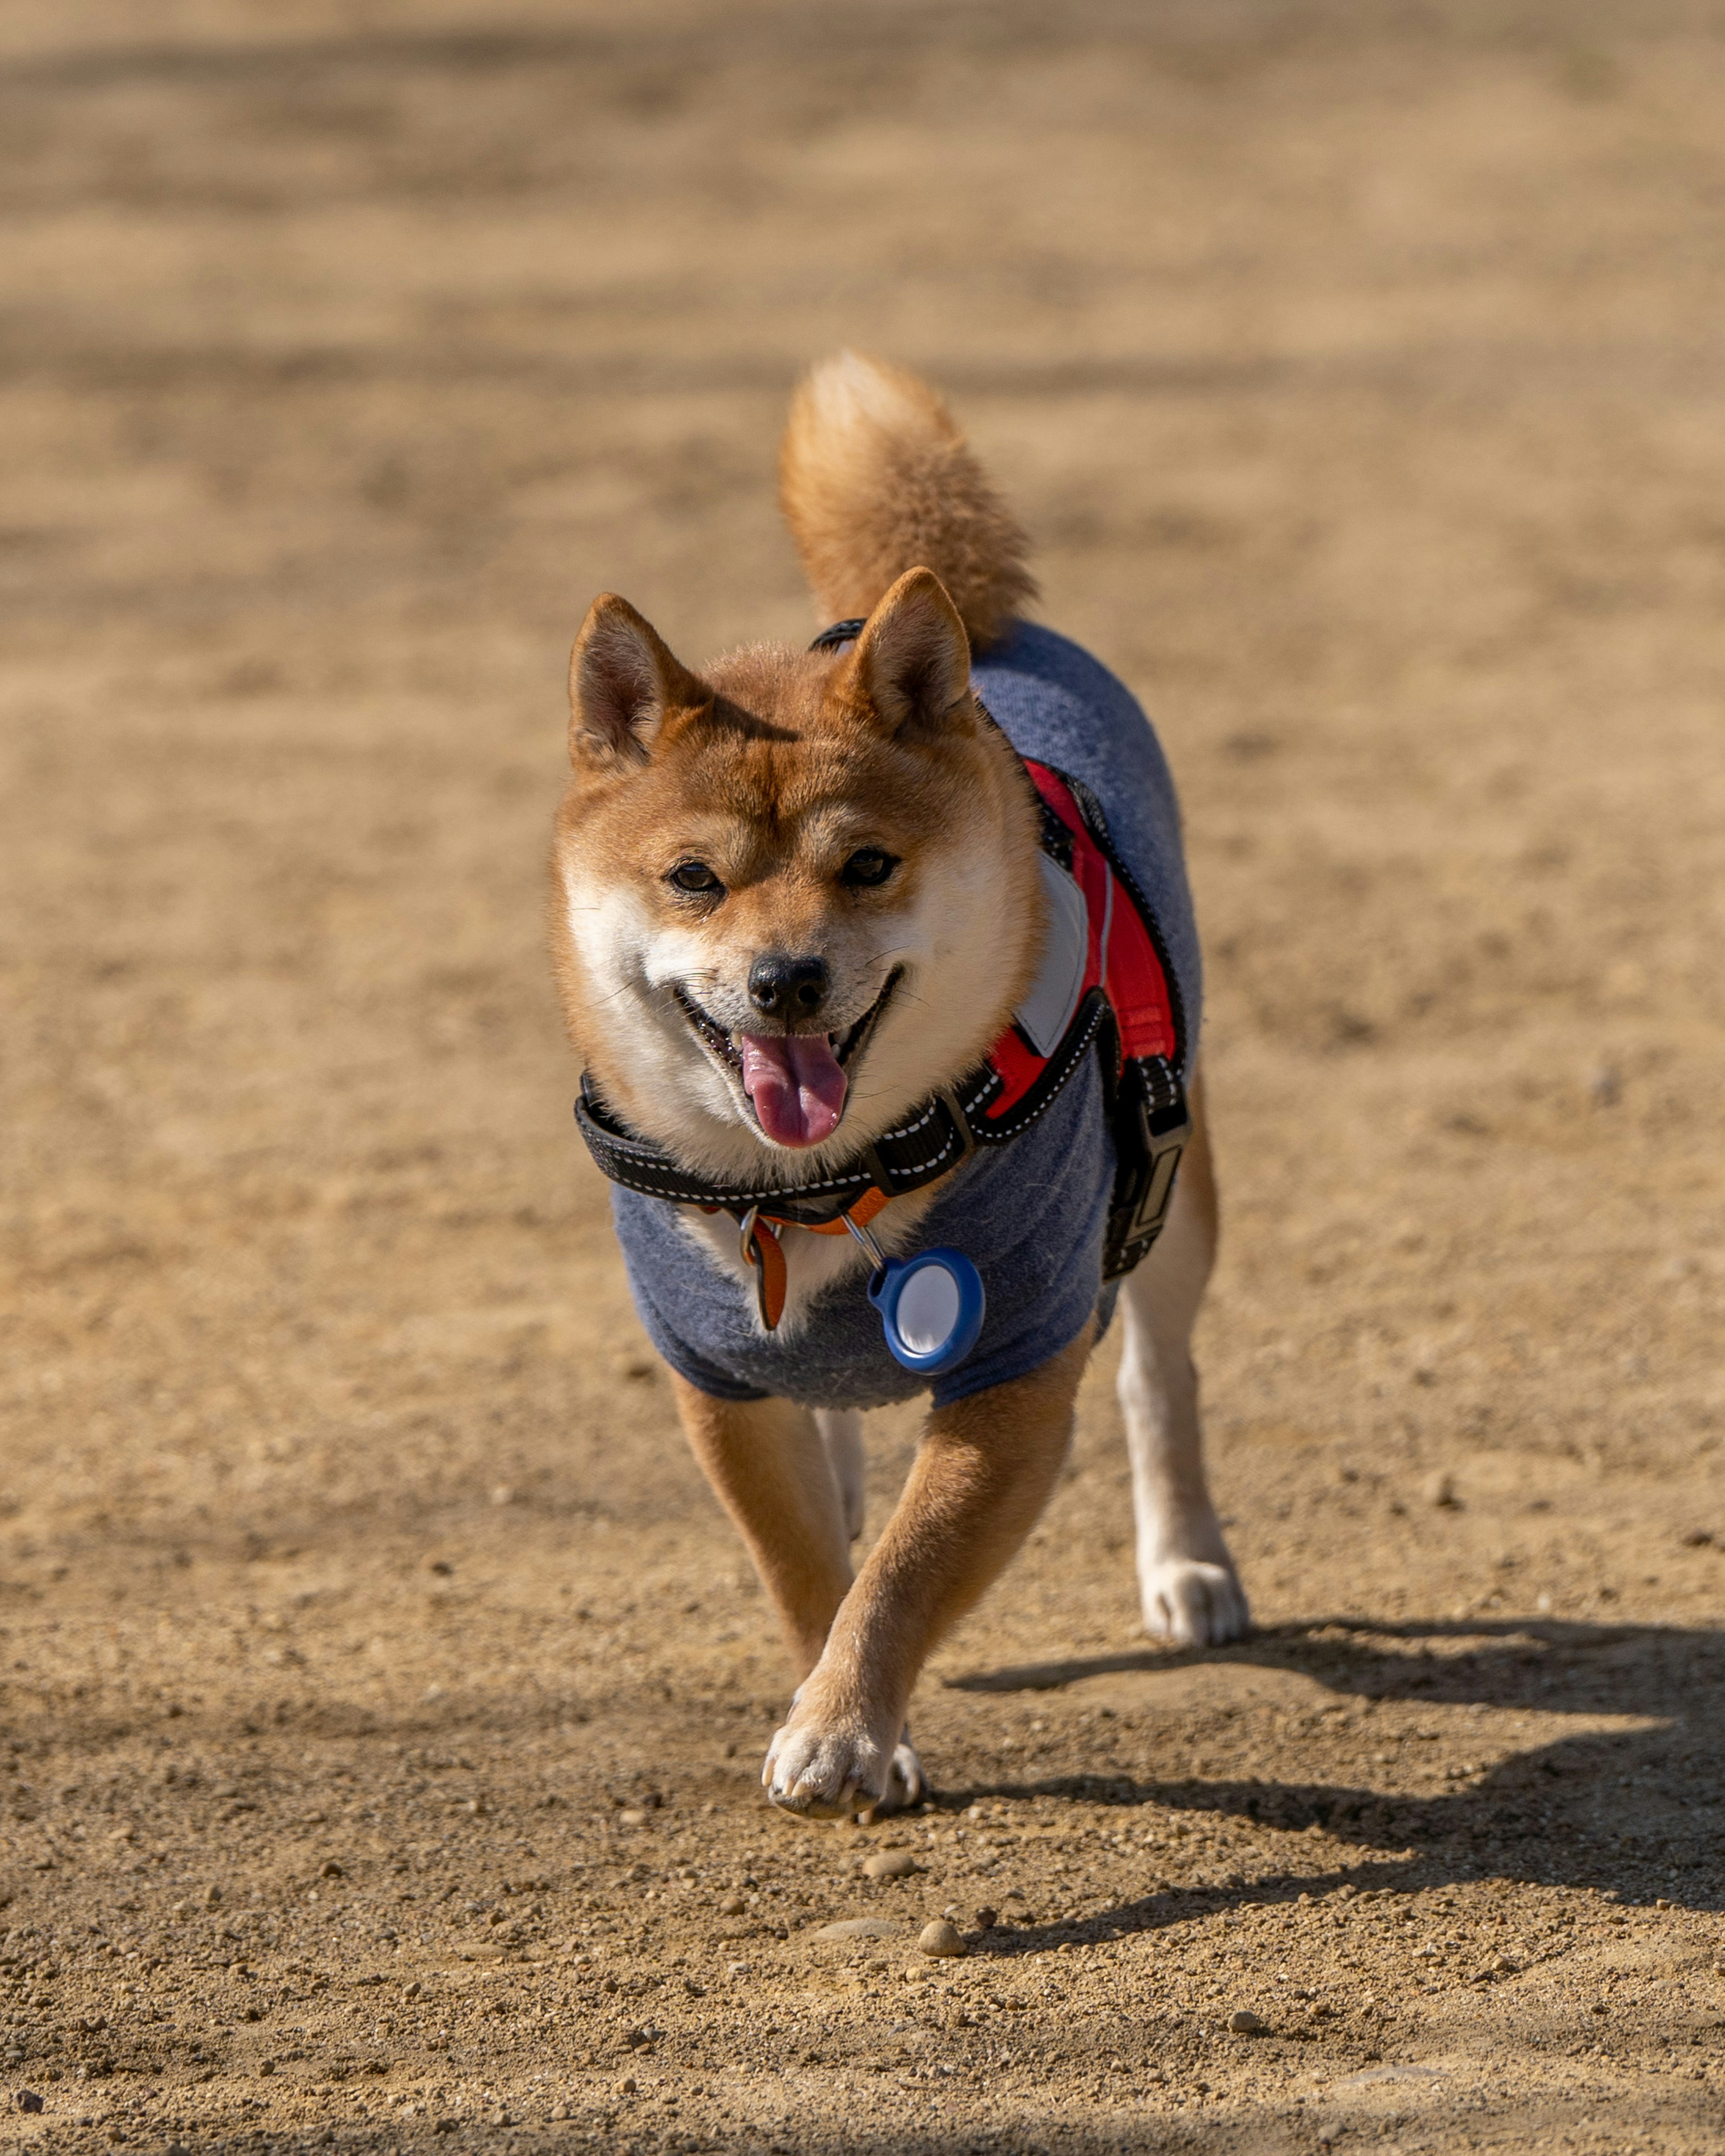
(771, 1473)
(984, 1471)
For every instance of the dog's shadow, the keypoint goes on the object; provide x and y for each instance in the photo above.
(1638, 1810)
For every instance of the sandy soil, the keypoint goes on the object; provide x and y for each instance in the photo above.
(383, 1696)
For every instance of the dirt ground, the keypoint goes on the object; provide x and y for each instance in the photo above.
(383, 1696)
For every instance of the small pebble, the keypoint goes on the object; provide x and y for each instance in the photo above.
(559, 2111)
(890, 1864)
(733, 1905)
(1440, 1489)
(986, 1919)
(941, 1939)
(631, 1819)
(1246, 2023)
(626, 2086)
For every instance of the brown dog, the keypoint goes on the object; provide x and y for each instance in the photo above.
(796, 895)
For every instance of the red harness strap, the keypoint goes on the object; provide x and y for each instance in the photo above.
(1120, 958)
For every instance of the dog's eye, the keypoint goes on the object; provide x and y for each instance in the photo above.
(869, 864)
(694, 876)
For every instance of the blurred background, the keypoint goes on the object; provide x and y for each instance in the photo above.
(1358, 370)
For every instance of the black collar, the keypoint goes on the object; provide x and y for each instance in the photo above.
(933, 1138)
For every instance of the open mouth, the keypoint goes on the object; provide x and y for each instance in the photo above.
(795, 1083)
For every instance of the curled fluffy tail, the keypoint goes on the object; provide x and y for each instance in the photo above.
(874, 479)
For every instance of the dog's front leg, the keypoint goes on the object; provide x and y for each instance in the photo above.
(984, 1471)
(773, 1474)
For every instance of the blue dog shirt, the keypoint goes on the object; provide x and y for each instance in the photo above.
(1031, 1216)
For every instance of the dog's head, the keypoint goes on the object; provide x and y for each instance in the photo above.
(791, 895)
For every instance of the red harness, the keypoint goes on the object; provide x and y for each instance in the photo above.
(1120, 956)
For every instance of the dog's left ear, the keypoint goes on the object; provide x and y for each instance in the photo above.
(912, 661)
(623, 681)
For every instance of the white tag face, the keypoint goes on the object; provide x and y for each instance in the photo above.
(1047, 1010)
(927, 1313)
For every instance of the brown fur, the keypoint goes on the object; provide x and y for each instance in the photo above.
(773, 765)
(769, 769)
(874, 476)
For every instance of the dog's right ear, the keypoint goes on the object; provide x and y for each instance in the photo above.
(624, 680)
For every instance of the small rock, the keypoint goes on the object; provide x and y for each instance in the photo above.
(733, 1905)
(27, 2100)
(1246, 2023)
(890, 1864)
(1699, 1538)
(626, 2086)
(440, 1565)
(858, 1928)
(212, 1897)
(631, 1819)
(559, 2111)
(1440, 1490)
(266, 2066)
(941, 1939)
(329, 1869)
(986, 1919)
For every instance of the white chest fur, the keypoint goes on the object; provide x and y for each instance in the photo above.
(812, 1262)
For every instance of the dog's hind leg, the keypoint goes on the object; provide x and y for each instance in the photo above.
(841, 1432)
(771, 1470)
(1189, 1590)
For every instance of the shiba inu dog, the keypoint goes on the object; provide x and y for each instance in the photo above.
(870, 948)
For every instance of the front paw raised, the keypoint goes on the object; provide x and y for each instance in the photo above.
(831, 1769)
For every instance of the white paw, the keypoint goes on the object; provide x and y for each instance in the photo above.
(905, 1785)
(1193, 1604)
(837, 1773)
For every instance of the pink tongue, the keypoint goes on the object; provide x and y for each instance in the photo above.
(796, 1084)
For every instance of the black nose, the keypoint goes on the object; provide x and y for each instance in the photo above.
(785, 987)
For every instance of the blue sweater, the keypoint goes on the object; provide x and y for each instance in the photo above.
(1029, 1215)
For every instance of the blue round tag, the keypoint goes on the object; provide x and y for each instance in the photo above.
(931, 1308)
